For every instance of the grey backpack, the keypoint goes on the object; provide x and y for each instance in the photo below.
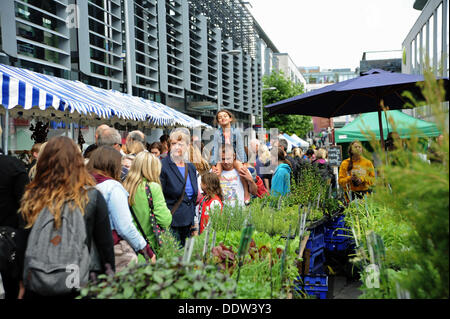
(57, 260)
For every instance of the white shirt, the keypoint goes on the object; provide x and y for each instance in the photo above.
(232, 188)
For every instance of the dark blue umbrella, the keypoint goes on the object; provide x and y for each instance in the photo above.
(363, 94)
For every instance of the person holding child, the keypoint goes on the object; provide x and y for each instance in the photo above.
(227, 135)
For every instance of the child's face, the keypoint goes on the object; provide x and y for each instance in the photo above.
(223, 118)
(155, 152)
(126, 162)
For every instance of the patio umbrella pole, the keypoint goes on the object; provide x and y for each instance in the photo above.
(379, 102)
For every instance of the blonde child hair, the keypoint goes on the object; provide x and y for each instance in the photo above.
(145, 165)
(32, 171)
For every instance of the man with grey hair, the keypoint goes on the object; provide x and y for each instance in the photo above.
(92, 147)
(136, 136)
(110, 137)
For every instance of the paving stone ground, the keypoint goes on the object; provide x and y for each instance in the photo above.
(341, 288)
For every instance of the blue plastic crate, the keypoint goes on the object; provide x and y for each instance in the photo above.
(316, 261)
(317, 279)
(334, 246)
(315, 242)
(317, 291)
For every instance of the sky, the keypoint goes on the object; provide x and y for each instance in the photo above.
(334, 33)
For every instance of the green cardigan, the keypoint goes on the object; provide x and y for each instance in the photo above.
(142, 211)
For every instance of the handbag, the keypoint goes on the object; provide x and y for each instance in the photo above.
(124, 254)
(7, 248)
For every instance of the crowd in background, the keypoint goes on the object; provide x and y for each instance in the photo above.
(128, 194)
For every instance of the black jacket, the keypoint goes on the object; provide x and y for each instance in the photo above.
(13, 179)
(172, 184)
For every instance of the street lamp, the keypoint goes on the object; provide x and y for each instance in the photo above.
(272, 88)
(219, 75)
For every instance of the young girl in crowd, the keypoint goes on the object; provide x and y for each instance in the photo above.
(143, 177)
(105, 165)
(212, 198)
(229, 135)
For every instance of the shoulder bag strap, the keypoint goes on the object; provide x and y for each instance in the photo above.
(157, 229)
(177, 204)
(139, 225)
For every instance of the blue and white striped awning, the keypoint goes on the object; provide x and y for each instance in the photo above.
(39, 93)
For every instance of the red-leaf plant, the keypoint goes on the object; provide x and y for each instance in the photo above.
(225, 257)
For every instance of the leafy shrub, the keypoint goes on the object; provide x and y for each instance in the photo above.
(168, 278)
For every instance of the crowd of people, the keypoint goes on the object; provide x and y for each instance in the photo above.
(128, 194)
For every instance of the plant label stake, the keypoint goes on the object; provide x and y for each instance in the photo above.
(189, 246)
(213, 244)
(244, 244)
(205, 244)
(283, 258)
(318, 200)
(226, 230)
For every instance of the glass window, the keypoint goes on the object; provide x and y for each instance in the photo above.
(439, 37)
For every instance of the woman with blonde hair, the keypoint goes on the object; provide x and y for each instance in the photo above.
(264, 157)
(134, 147)
(146, 198)
(62, 188)
(322, 166)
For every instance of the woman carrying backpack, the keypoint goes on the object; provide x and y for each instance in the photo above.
(63, 215)
(146, 197)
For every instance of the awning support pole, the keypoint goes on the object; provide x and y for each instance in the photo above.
(6, 134)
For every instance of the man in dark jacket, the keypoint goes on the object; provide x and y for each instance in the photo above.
(13, 179)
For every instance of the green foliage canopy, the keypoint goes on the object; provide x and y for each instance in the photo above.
(285, 88)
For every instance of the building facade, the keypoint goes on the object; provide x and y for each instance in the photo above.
(390, 61)
(428, 37)
(283, 62)
(315, 79)
(165, 50)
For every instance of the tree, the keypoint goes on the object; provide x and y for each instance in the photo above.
(285, 88)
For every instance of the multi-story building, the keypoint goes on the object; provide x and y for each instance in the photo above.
(428, 37)
(165, 50)
(385, 60)
(315, 79)
(283, 62)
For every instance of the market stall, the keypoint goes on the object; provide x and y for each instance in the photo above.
(366, 125)
(26, 94)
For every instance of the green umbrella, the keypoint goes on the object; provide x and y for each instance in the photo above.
(368, 123)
